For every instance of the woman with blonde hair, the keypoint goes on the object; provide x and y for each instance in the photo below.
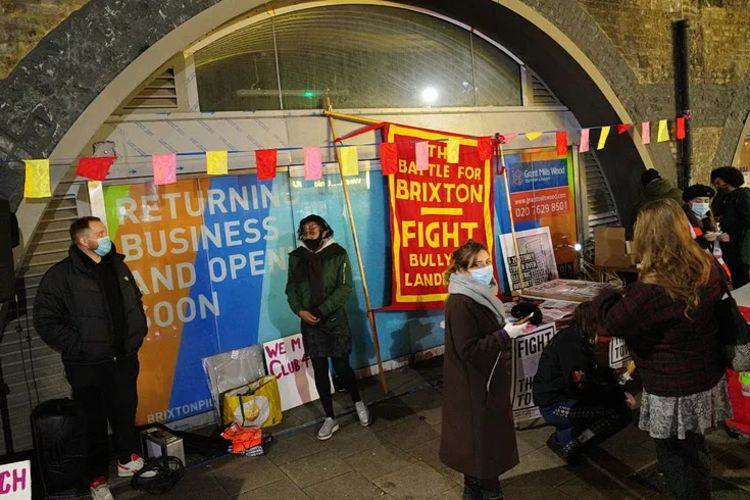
(478, 437)
(667, 321)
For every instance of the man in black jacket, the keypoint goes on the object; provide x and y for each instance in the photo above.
(88, 307)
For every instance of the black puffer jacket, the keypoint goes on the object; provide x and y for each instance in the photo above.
(71, 313)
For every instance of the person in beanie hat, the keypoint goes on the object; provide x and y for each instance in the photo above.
(319, 284)
(732, 208)
(656, 188)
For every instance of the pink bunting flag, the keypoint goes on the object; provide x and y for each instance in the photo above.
(313, 164)
(165, 169)
(584, 146)
(421, 150)
(645, 133)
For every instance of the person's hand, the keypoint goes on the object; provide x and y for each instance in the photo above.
(630, 401)
(724, 237)
(710, 236)
(515, 331)
(308, 317)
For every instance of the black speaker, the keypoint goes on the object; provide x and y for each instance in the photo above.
(8, 240)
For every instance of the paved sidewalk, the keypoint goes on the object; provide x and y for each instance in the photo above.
(397, 457)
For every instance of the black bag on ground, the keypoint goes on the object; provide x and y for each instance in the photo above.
(734, 336)
(60, 440)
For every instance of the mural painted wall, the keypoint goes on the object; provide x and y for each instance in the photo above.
(210, 255)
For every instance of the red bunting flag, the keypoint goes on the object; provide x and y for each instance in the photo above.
(388, 158)
(94, 167)
(680, 127)
(561, 139)
(484, 148)
(623, 127)
(265, 163)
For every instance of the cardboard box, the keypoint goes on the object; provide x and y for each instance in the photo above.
(611, 250)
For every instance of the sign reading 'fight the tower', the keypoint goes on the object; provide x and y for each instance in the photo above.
(434, 210)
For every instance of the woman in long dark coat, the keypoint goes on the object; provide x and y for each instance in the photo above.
(478, 436)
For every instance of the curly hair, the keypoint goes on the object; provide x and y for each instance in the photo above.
(731, 175)
(669, 256)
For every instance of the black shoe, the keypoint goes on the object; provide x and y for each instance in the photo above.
(559, 450)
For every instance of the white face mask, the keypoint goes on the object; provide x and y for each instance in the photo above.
(700, 209)
(482, 275)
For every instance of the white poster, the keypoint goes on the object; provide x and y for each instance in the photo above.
(286, 359)
(619, 355)
(15, 481)
(537, 257)
(527, 350)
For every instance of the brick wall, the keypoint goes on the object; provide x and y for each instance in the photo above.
(639, 31)
(24, 22)
(719, 62)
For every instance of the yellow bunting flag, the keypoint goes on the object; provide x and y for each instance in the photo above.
(37, 183)
(349, 161)
(217, 162)
(532, 136)
(603, 137)
(662, 133)
(452, 147)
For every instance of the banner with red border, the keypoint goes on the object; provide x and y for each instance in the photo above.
(433, 212)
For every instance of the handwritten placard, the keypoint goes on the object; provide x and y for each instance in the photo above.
(285, 358)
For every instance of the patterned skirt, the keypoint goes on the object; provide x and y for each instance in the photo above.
(664, 417)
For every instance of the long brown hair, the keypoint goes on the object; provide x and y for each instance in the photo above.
(669, 256)
(463, 257)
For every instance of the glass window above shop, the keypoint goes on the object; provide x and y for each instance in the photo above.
(361, 56)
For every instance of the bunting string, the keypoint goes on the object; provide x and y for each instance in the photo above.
(37, 183)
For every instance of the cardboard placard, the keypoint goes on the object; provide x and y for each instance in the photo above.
(527, 350)
(285, 358)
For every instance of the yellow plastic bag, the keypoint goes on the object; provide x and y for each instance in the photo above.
(258, 404)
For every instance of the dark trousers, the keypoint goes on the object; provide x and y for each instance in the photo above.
(686, 465)
(108, 395)
(482, 489)
(323, 382)
(733, 259)
(579, 423)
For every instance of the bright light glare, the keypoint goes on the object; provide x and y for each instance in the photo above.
(429, 95)
(577, 247)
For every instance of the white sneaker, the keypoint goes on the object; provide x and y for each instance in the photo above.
(362, 413)
(99, 489)
(129, 469)
(327, 429)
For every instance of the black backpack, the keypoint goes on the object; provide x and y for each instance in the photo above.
(60, 441)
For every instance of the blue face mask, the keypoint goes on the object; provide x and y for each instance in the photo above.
(104, 245)
(482, 275)
(700, 209)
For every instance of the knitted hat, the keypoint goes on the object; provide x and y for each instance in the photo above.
(649, 175)
(698, 191)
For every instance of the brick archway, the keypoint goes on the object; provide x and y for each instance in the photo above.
(46, 98)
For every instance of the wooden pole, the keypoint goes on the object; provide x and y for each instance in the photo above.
(512, 225)
(350, 213)
(343, 116)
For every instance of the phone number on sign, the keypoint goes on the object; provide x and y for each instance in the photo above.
(539, 209)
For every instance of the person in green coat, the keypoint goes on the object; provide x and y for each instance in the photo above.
(319, 284)
(731, 206)
(657, 188)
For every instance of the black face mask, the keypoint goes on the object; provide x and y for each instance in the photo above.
(313, 245)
